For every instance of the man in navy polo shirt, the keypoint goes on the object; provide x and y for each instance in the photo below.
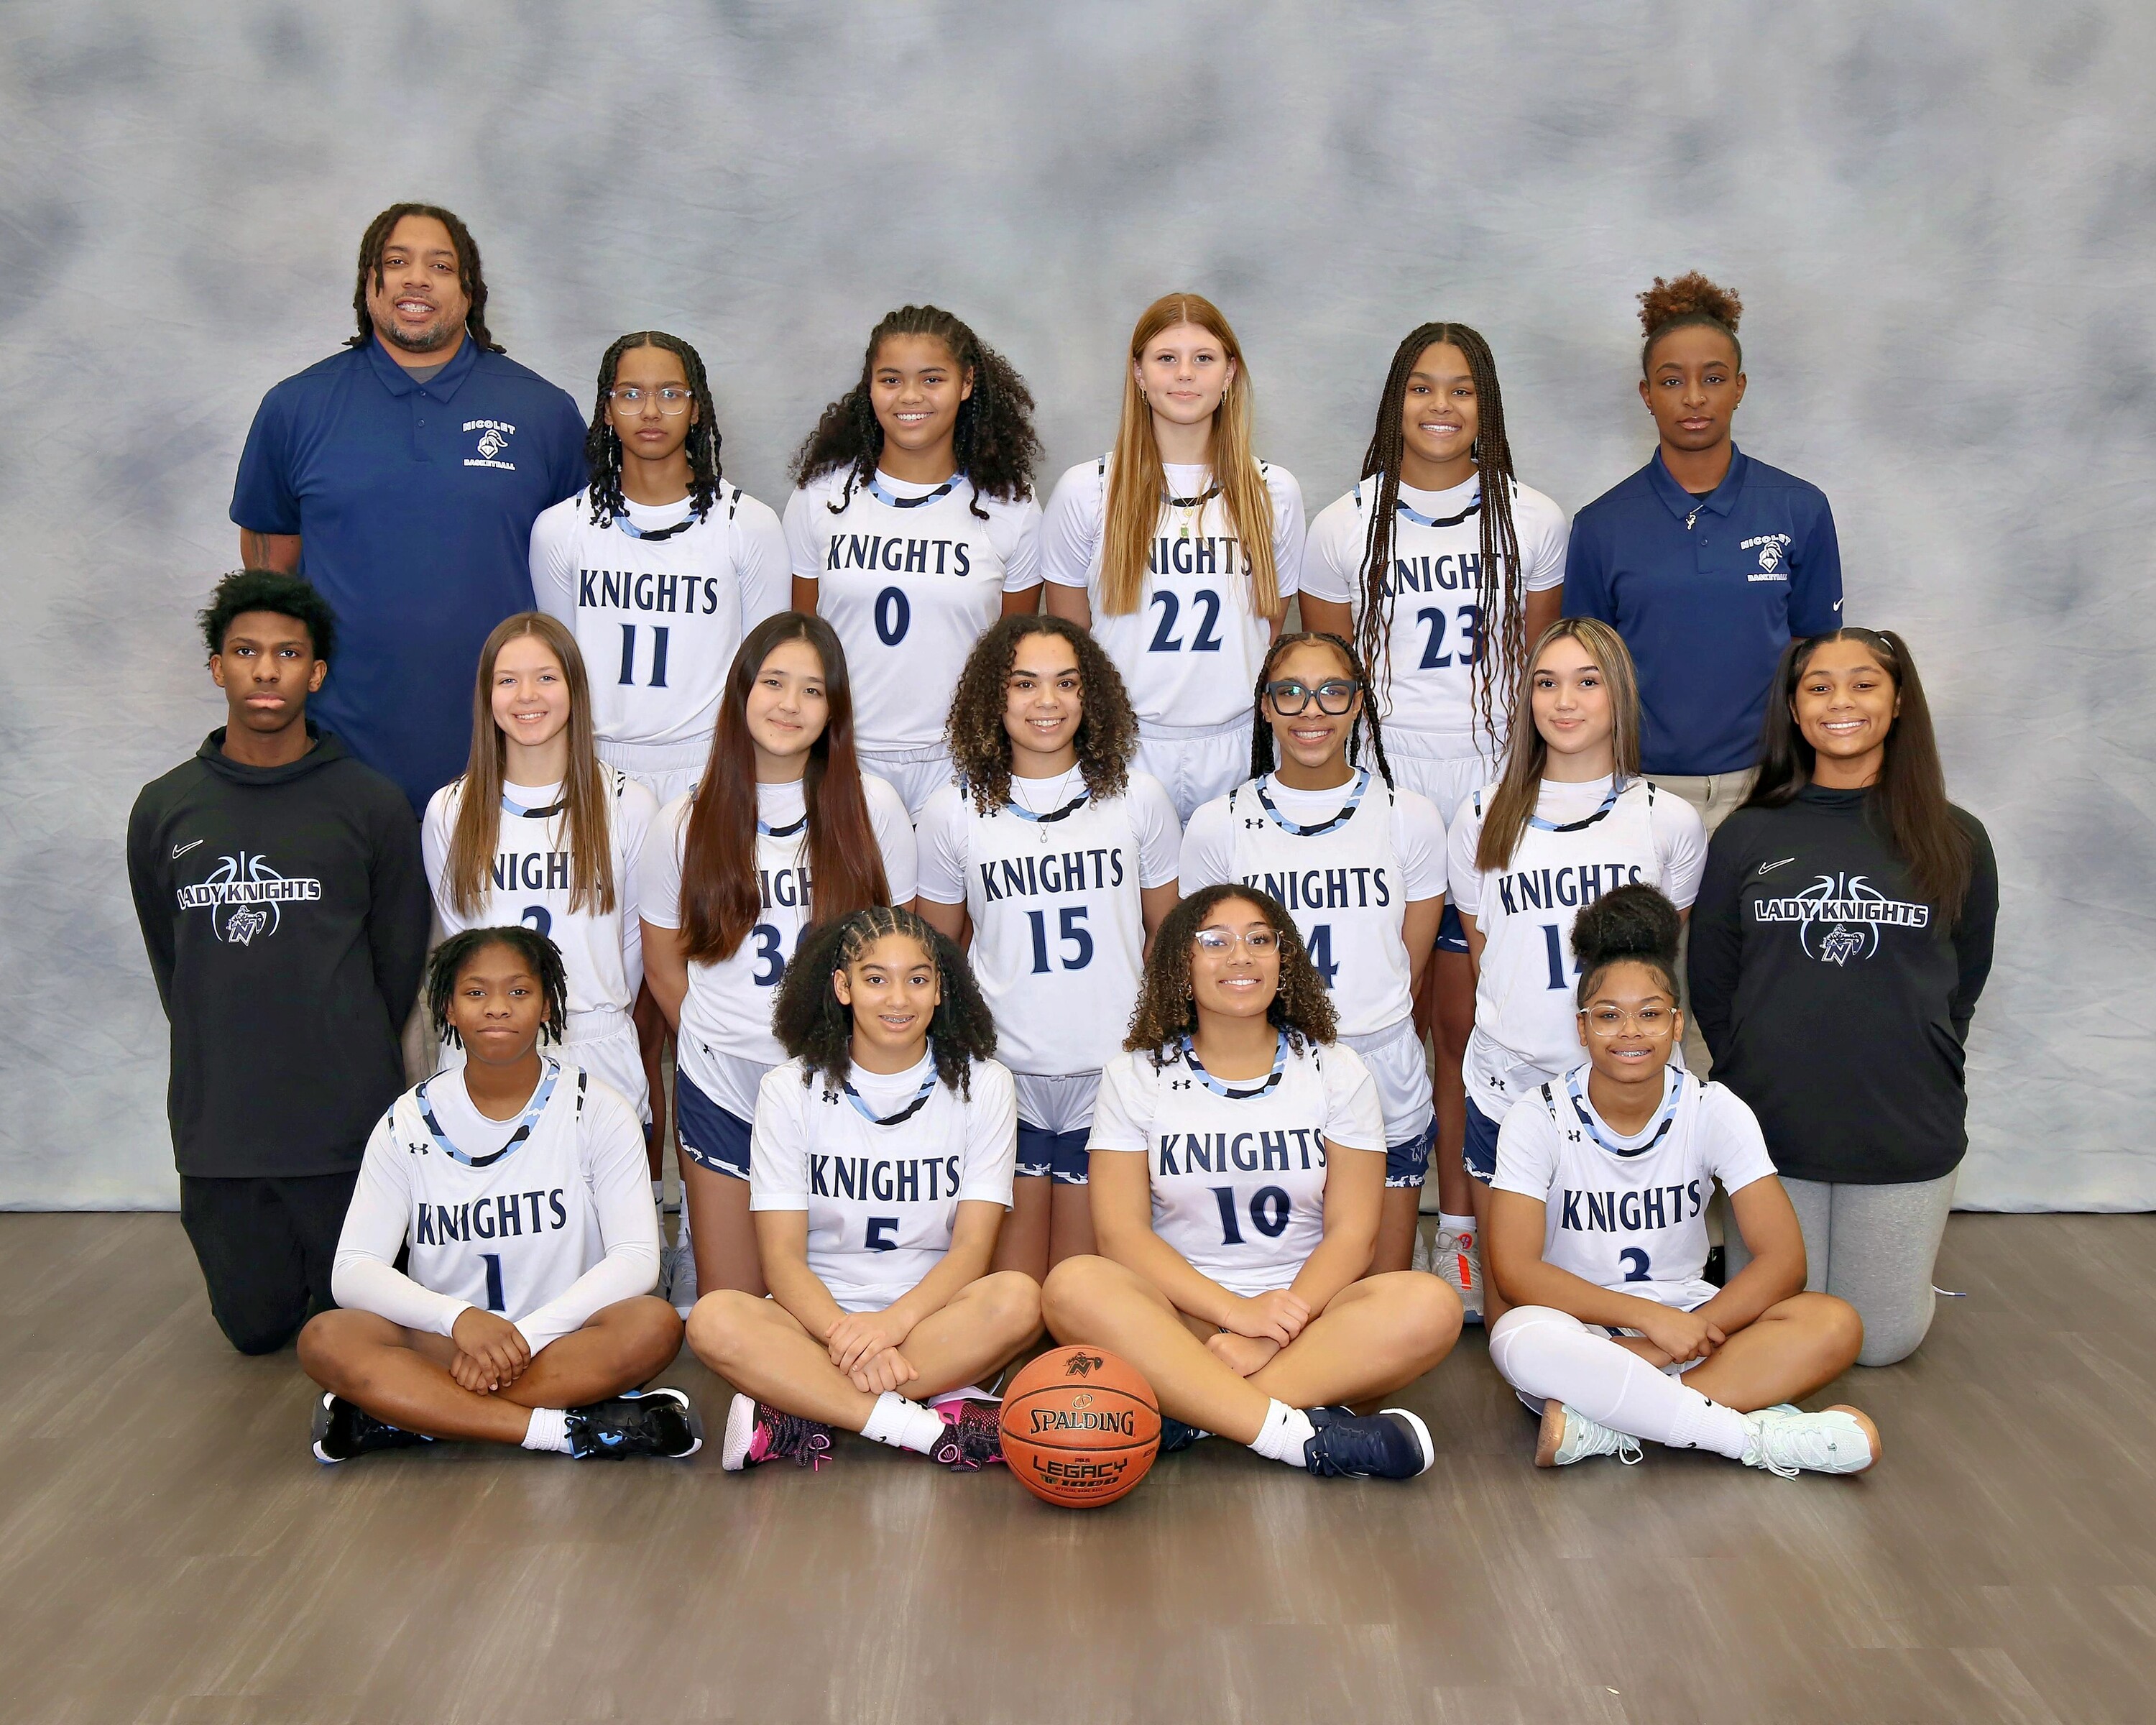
(403, 476)
(1706, 560)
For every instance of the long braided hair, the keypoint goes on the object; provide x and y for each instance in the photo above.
(994, 442)
(473, 279)
(1263, 757)
(1498, 578)
(1167, 1009)
(815, 1028)
(603, 444)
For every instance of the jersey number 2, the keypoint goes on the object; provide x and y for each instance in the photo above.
(657, 678)
(1206, 641)
(1635, 1263)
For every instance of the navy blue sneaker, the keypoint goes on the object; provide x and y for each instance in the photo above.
(1391, 1444)
(637, 1422)
(344, 1430)
(1175, 1435)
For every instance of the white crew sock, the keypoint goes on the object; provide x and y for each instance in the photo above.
(1285, 1431)
(1463, 1226)
(1552, 1354)
(903, 1424)
(549, 1429)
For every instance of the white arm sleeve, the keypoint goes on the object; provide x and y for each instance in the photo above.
(1209, 848)
(365, 1277)
(764, 570)
(610, 1143)
(940, 843)
(1071, 525)
(1159, 833)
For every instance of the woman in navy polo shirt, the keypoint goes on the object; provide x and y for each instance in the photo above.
(1706, 562)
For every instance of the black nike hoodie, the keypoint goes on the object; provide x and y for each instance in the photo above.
(285, 912)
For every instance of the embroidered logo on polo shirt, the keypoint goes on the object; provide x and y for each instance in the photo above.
(494, 436)
(1774, 550)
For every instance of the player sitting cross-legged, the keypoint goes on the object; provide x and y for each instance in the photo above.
(517, 1181)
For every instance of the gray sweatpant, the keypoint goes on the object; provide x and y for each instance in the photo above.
(1874, 1246)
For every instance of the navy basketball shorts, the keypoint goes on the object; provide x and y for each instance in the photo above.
(709, 1135)
(1480, 1152)
(1054, 1119)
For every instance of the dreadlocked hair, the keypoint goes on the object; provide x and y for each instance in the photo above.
(533, 947)
(603, 444)
(1167, 1009)
(469, 276)
(816, 1029)
(981, 747)
(994, 444)
(1497, 584)
(1690, 299)
(1262, 741)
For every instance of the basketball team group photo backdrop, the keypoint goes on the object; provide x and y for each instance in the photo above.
(1938, 216)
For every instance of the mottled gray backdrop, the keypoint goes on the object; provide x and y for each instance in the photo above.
(1938, 216)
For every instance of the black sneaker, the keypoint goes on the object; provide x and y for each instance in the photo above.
(972, 1435)
(756, 1432)
(1393, 1445)
(637, 1422)
(1175, 1435)
(344, 1430)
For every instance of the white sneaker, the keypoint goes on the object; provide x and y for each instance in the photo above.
(678, 1266)
(1787, 1442)
(1456, 1260)
(1569, 1436)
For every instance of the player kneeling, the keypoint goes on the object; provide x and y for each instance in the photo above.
(1597, 1235)
(1238, 1177)
(518, 1183)
(880, 1169)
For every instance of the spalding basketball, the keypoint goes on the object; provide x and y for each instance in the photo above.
(1080, 1427)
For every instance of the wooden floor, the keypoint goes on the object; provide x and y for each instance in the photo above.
(169, 1550)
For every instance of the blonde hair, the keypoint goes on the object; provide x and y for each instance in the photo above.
(1513, 805)
(585, 804)
(1137, 482)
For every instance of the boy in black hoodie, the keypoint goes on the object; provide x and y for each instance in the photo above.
(281, 896)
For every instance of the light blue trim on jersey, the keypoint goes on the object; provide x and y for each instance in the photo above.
(1540, 825)
(522, 812)
(1673, 1093)
(904, 1114)
(530, 1118)
(1065, 813)
(1340, 817)
(1219, 1088)
(882, 496)
(1417, 516)
(764, 829)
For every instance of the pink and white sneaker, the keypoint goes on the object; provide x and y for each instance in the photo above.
(757, 1433)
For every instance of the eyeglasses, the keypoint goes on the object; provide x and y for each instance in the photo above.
(673, 400)
(1291, 699)
(1607, 1021)
(1257, 942)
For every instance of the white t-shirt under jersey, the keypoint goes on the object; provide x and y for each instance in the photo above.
(1438, 630)
(882, 1200)
(1525, 1015)
(1190, 652)
(909, 586)
(1348, 888)
(658, 620)
(725, 1043)
(546, 1229)
(1058, 928)
(528, 882)
(1628, 1213)
(1239, 1182)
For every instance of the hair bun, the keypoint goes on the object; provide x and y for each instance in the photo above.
(1692, 295)
(1634, 922)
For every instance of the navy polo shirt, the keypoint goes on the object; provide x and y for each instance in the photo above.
(414, 504)
(1706, 592)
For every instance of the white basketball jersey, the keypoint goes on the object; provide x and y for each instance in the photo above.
(1058, 928)
(658, 613)
(1439, 632)
(909, 576)
(1525, 1014)
(1238, 1170)
(1629, 1213)
(881, 1165)
(1191, 651)
(1341, 881)
(528, 881)
(509, 1231)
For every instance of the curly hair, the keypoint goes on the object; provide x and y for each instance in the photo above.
(270, 590)
(1690, 299)
(470, 277)
(1262, 741)
(1167, 1009)
(603, 443)
(980, 746)
(1633, 921)
(533, 947)
(993, 442)
(815, 1028)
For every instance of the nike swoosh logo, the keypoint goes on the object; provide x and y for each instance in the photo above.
(181, 850)
(1837, 604)
(1769, 868)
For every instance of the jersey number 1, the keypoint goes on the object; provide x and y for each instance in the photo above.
(657, 678)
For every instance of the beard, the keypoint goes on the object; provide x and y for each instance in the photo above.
(437, 335)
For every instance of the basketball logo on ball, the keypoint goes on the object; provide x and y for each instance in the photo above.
(1085, 1443)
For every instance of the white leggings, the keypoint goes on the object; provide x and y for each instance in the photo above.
(1551, 1356)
